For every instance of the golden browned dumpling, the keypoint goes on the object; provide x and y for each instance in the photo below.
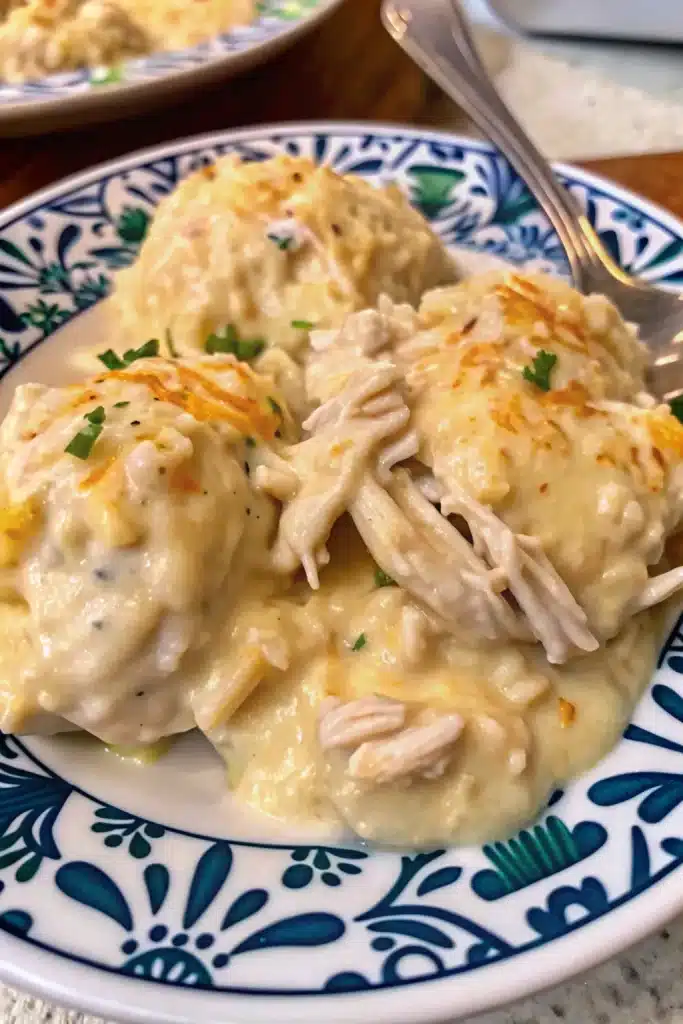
(532, 416)
(269, 250)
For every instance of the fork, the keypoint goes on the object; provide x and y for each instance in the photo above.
(436, 35)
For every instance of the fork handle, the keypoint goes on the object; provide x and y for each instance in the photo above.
(441, 43)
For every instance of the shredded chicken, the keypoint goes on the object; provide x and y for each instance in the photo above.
(554, 617)
(660, 588)
(347, 725)
(427, 556)
(419, 751)
(414, 629)
(345, 433)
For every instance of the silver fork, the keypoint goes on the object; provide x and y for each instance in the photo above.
(436, 35)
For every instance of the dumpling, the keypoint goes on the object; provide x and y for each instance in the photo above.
(266, 250)
(128, 529)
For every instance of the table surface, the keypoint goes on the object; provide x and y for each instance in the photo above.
(320, 78)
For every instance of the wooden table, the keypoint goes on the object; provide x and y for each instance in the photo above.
(347, 69)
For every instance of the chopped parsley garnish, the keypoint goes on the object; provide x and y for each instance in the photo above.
(121, 405)
(303, 325)
(222, 341)
(115, 362)
(360, 643)
(107, 76)
(539, 371)
(97, 415)
(111, 360)
(249, 348)
(283, 242)
(82, 443)
(229, 342)
(676, 406)
(277, 409)
(147, 351)
(382, 580)
(250, 442)
(172, 351)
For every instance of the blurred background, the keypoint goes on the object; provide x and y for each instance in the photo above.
(588, 95)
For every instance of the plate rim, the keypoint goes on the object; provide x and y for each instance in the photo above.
(442, 998)
(186, 143)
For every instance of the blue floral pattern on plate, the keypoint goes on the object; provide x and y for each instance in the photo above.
(139, 898)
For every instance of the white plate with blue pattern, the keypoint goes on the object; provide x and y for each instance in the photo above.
(88, 94)
(143, 895)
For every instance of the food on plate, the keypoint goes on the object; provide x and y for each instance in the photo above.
(41, 37)
(401, 548)
(515, 487)
(273, 248)
(411, 736)
(129, 529)
(530, 429)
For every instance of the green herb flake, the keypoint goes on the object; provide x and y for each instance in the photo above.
(222, 341)
(277, 409)
(172, 351)
(228, 342)
(360, 643)
(676, 406)
(82, 443)
(250, 348)
(114, 362)
(382, 580)
(250, 442)
(303, 325)
(107, 75)
(111, 360)
(97, 415)
(539, 371)
(283, 242)
(121, 405)
(147, 351)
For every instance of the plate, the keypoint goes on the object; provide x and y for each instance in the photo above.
(75, 97)
(142, 895)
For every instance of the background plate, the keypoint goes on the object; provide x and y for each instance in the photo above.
(77, 97)
(115, 901)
